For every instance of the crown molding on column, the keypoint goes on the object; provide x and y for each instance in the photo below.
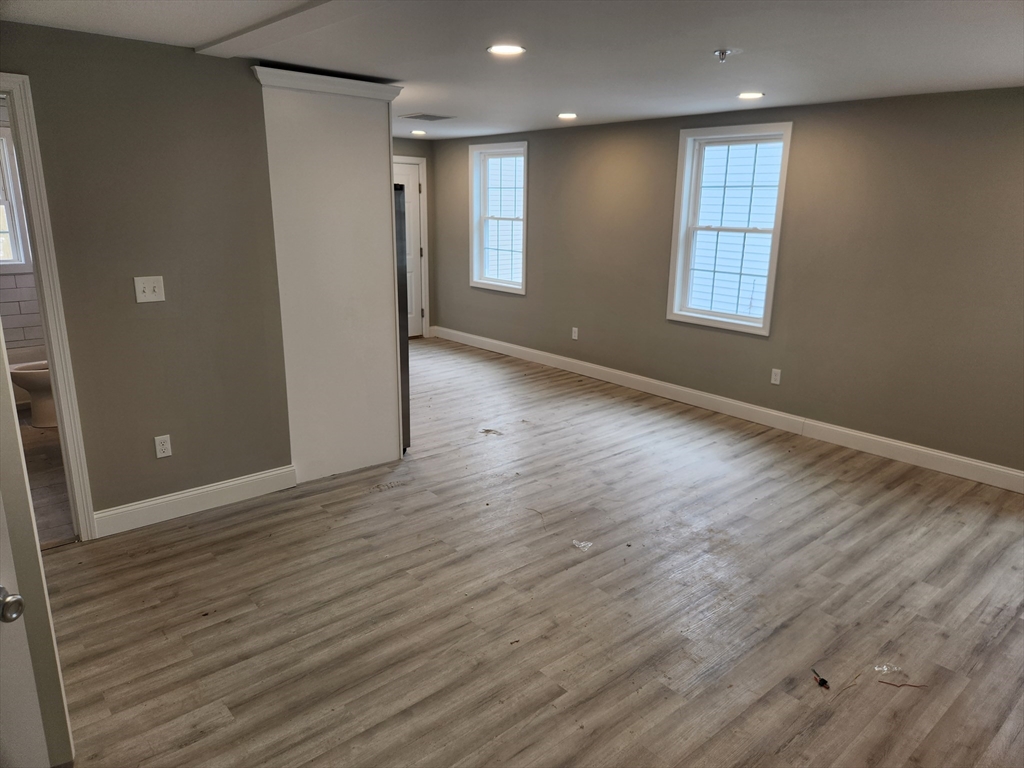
(302, 81)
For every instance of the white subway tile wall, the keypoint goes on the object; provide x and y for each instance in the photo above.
(19, 311)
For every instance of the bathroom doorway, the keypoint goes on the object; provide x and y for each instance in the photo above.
(27, 354)
(34, 334)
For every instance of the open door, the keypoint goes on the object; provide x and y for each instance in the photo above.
(34, 727)
(410, 173)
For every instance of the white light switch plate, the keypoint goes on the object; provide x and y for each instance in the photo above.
(149, 289)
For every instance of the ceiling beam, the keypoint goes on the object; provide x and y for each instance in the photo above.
(306, 18)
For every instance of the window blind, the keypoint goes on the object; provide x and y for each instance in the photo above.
(731, 239)
(503, 217)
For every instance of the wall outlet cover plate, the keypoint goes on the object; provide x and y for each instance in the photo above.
(163, 446)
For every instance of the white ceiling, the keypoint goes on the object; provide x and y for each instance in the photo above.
(189, 23)
(606, 60)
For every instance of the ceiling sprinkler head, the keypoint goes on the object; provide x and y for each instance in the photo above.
(721, 53)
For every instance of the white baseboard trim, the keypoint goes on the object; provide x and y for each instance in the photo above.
(950, 463)
(140, 513)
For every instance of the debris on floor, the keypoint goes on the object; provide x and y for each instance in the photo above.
(820, 680)
(542, 520)
(584, 545)
(489, 432)
(901, 685)
(887, 669)
(846, 688)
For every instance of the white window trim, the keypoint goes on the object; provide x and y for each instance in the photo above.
(477, 152)
(687, 178)
(16, 212)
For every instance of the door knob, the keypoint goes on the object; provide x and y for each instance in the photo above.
(11, 606)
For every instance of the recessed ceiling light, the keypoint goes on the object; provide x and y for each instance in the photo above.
(506, 50)
(751, 95)
(567, 116)
(419, 133)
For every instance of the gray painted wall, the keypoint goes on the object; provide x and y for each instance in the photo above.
(156, 164)
(899, 303)
(413, 148)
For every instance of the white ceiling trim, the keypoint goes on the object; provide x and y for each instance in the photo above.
(303, 81)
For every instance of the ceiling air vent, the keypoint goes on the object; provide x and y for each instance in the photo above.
(425, 117)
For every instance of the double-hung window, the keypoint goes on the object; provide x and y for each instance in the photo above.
(728, 215)
(15, 255)
(498, 216)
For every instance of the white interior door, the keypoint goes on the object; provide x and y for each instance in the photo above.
(34, 727)
(22, 740)
(409, 175)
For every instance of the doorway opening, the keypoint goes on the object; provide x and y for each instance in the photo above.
(411, 173)
(34, 333)
(27, 354)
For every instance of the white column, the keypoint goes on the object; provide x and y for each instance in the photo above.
(329, 146)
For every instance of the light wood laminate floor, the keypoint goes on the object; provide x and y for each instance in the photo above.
(435, 612)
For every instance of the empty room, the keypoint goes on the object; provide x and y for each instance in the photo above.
(621, 383)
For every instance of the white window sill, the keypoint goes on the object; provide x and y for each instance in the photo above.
(758, 328)
(16, 268)
(498, 286)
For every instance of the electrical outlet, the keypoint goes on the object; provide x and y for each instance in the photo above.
(163, 446)
(575, 334)
(776, 375)
(149, 289)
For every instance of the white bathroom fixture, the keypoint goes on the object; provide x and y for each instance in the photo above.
(34, 378)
